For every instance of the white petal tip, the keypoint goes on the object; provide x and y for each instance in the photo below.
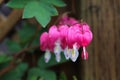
(47, 56)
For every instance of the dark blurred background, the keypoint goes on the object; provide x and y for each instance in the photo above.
(104, 18)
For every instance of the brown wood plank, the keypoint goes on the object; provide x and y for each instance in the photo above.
(103, 17)
(7, 24)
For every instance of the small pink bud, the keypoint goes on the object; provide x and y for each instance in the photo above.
(84, 54)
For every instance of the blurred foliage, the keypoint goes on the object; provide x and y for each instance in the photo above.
(26, 33)
(36, 72)
(15, 74)
(42, 10)
(4, 58)
(75, 78)
(13, 46)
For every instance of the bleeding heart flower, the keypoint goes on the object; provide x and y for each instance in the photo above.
(63, 29)
(54, 36)
(44, 46)
(44, 41)
(86, 38)
(72, 36)
(68, 37)
(73, 42)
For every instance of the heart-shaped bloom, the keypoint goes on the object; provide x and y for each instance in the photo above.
(68, 37)
(44, 41)
(63, 29)
(86, 38)
(54, 36)
(44, 46)
(72, 42)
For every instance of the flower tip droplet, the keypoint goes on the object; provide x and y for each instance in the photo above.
(84, 56)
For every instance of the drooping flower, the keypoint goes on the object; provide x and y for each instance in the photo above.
(54, 36)
(44, 41)
(68, 36)
(44, 46)
(86, 38)
(63, 29)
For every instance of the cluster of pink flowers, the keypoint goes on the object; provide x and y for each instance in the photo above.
(67, 37)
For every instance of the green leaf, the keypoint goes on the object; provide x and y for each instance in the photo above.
(42, 10)
(52, 10)
(37, 10)
(32, 77)
(15, 74)
(4, 58)
(13, 46)
(36, 73)
(52, 62)
(17, 3)
(58, 3)
(49, 7)
(43, 21)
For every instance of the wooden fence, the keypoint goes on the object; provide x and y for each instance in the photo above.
(104, 52)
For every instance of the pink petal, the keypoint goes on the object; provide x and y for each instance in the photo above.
(85, 26)
(54, 35)
(63, 34)
(84, 36)
(72, 36)
(87, 38)
(44, 41)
